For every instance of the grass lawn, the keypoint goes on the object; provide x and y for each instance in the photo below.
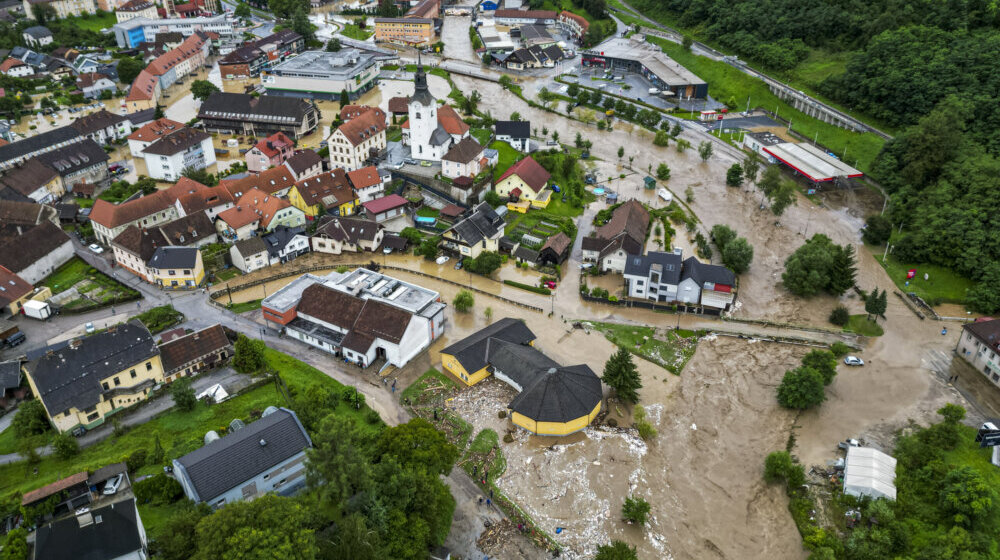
(482, 135)
(943, 285)
(67, 275)
(227, 274)
(245, 306)
(394, 134)
(180, 432)
(418, 393)
(159, 318)
(352, 31)
(508, 156)
(95, 22)
(671, 354)
(428, 212)
(729, 85)
(485, 453)
(861, 325)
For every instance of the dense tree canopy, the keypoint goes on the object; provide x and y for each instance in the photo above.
(819, 265)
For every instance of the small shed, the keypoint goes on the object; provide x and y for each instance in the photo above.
(555, 250)
(395, 242)
(524, 254)
(452, 211)
(869, 472)
(650, 183)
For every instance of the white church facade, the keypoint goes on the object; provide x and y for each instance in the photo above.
(430, 130)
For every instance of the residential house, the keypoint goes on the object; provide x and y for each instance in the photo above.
(103, 126)
(358, 140)
(625, 234)
(191, 230)
(654, 276)
(130, 33)
(35, 180)
(249, 254)
(195, 352)
(706, 284)
(141, 139)
(134, 247)
(361, 315)
(386, 207)
(16, 152)
(979, 345)
(178, 62)
(134, 9)
(265, 456)
(257, 210)
(555, 250)
(351, 111)
(237, 113)
(11, 391)
(479, 231)
(109, 219)
(143, 93)
(177, 267)
(524, 17)
(15, 68)
(37, 36)
(62, 8)
(276, 181)
(14, 291)
(464, 159)
(335, 235)
(526, 181)
(33, 252)
(328, 193)
(81, 162)
(304, 165)
(209, 201)
(251, 58)
(285, 243)
(112, 532)
(186, 148)
(399, 107)
(575, 25)
(83, 383)
(93, 84)
(515, 133)
(367, 183)
(269, 152)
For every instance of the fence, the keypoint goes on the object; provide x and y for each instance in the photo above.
(655, 306)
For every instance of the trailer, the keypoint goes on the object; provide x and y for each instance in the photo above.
(37, 309)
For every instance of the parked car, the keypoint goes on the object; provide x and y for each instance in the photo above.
(111, 486)
(410, 161)
(15, 339)
(442, 259)
(78, 431)
(387, 250)
(95, 248)
(854, 361)
(550, 285)
(89, 327)
(425, 163)
(586, 266)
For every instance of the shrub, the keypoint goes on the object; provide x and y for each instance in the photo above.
(840, 316)
(635, 510)
(502, 414)
(372, 417)
(839, 349)
(507, 438)
(463, 301)
(30, 419)
(65, 446)
(536, 289)
(777, 465)
(136, 461)
(158, 490)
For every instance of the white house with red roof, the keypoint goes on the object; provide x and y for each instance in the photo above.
(367, 183)
(386, 208)
(526, 180)
(269, 152)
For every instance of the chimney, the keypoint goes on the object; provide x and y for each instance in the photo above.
(263, 442)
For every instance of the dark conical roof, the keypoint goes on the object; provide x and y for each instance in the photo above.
(421, 94)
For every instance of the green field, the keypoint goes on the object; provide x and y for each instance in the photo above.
(733, 87)
(353, 31)
(179, 432)
(943, 285)
(861, 325)
(482, 135)
(671, 354)
(95, 22)
(428, 212)
(508, 156)
(67, 275)
(244, 306)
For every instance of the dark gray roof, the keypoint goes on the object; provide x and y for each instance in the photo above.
(174, 257)
(114, 533)
(106, 472)
(142, 117)
(421, 94)
(704, 273)
(76, 156)
(302, 161)
(559, 394)
(71, 376)
(986, 330)
(514, 129)
(439, 136)
(38, 32)
(670, 266)
(394, 241)
(240, 456)
(97, 121)
(35, 143)
(465, 151)
(526, 254)
(176, 142)
(472, 351)
(280, 237)
(221, 105)
(483, 223)
(10, 376)
(251, 246)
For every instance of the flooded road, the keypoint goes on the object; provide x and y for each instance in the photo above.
(455, 35)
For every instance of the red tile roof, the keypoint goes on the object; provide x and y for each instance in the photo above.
(580, 20)
(113, 215)
(202, 200)
(399, 105)
(449, 119)
(533, 174)
(380, 205)
(12, 286)
(363, 127)
(57, 486)
(351, 111)
(10, 63)
(528, 14)
(143, 87)
(270, 181)
(271, 146)
(155, 130)
(252, 206)
(364, 177)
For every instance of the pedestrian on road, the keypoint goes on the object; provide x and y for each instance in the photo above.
(475, 470)
(489, 502)
(491, 493)
(480, 501)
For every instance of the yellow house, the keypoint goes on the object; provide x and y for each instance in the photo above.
(480, 231)
(552, 399)
(330, 192)
(14, 291)
(177, 268)
(94, 377)
(526, 180)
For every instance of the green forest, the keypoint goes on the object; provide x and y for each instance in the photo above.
(927, 69)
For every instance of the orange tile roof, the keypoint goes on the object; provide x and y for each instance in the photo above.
(452, 123)
(329, 189)
(209, 197)
(270, 181)
(10, 63)
(580, 20)
(253, 206)
(155, 130)
(143, 87)
(363, 127)
(57, 486)
(364, 177)
(267, 145)
(529, 170)
(113, 215)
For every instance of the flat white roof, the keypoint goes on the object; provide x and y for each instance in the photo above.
(811, 161)
(869, 472)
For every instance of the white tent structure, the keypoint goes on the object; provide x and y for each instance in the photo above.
(869, 472)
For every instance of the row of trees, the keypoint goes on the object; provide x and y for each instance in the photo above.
(804, 386)
(736, 252)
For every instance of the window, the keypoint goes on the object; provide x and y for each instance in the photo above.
(149, 366)
(117, 382)
(93, 417)
(187, 272)
(105, 385)
(132, 373)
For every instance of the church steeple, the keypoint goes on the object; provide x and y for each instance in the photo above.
(421, 94)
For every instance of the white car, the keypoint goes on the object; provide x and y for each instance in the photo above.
(854, 361)
(89, 327)
(442, 259)
(387, 250)
(666, 195)
(586, 266)
(111, 486)
(95, 248)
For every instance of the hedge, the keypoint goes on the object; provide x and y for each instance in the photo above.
(536, 289)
